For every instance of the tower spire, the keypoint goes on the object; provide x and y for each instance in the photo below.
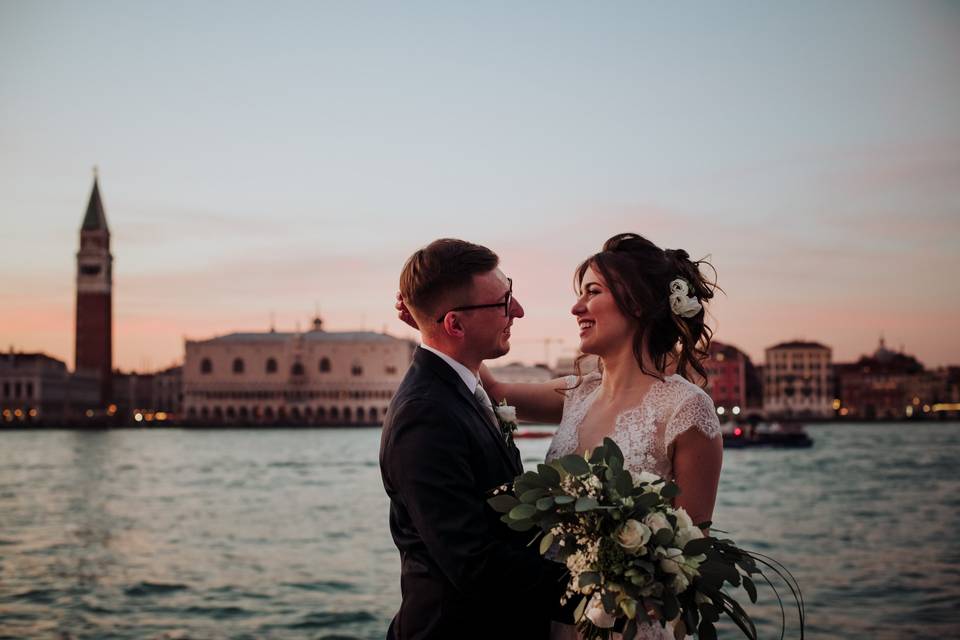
(95, 219)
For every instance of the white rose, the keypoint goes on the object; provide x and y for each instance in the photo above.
(686, 534)
(645, 476)
(506, 413)
(657, 521)
(597, 614)
(680, 583)
(683, 518)
(633, 535)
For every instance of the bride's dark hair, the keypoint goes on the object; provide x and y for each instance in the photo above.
(638, 274)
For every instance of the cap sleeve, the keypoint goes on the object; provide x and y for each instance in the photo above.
(696, 411)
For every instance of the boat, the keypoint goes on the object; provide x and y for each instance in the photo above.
(775, 435)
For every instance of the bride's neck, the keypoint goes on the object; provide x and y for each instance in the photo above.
(622, 374)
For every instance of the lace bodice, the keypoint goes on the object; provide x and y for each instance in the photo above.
(646, 432)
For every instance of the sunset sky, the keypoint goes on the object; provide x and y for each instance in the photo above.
(274, 158)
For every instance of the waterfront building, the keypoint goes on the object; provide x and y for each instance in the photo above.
(516, 372)
(732, 381)
(313, 377)
(36, 388)
(798, 381)
(94, 317)
(890, 385)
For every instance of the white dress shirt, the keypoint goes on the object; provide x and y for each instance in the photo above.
(469, 377)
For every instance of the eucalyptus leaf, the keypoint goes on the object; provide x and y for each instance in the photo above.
(612, 449)
(623, 483)
(630, 631)
(545, 503)
(589, 577)
(532, 495)
(564, 499)
(661, 538)
(670, 490)
(503, 502)
(646, 501)
(696, 547)
(545, 543)
(522, 511)
(578, 612)
(671, 607)
(521, 525)
(575, 464)
(549, 475)
(586, 503)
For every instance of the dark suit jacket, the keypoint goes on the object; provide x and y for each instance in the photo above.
(463, 573)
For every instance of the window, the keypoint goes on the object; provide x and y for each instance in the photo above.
(356, 370)
(206, 366)
(391, 370)
(325, 365)
(16, 390)
(29, 389)
(271, 365)
(296, 369)
(238, 365)
(6, 389)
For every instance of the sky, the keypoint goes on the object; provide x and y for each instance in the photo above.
(262, 161)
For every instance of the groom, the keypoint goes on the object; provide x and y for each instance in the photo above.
(463, 573)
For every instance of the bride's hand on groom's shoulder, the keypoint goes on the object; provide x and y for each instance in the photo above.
(403, 313)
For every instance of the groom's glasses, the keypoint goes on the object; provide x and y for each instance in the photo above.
(505, 304)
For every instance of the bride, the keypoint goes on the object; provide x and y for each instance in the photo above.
(640, 312)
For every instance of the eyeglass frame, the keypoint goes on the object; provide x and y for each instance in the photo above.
(506, 304)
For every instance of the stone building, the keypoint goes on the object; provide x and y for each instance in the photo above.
(314, 377)
(798, 381)
(37, 389)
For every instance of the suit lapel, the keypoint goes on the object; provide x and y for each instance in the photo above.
(430, 361)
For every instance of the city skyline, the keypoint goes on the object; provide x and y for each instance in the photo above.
(261, 161)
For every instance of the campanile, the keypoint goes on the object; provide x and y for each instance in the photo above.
(94, 336)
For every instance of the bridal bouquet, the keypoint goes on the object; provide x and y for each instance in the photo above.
(629, 551)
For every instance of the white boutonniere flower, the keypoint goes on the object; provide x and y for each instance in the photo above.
(507, 417)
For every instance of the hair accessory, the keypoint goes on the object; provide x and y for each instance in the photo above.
(681, 302)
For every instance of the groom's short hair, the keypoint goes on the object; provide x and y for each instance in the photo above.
(440, 271)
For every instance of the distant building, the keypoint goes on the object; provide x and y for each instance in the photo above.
(516, 372)
(94, 319)
(168, 392)
(316, 377)
(730, 374)
(890, 385)
(567, 366)
(36, 388)
(798, 381)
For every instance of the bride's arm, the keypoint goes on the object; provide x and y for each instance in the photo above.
(535, 401)
(697, 459)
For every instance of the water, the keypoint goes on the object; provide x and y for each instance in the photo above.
(283, 533)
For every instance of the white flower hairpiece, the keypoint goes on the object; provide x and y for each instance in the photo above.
(681, 302)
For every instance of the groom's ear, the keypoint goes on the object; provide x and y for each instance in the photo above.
(452, 325)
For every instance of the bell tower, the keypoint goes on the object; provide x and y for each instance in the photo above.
(94, 329)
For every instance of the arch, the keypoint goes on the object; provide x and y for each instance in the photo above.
(204, 413)
(231, 413)
(238, 365)
(244, 413)
(372, 415)
(347, 415)
(321, 413)
(206, 366)
(282, 413)
(218, 413)
(334, 413)
(297, 369)
(268, 413)
(360, 414)
(271, 366)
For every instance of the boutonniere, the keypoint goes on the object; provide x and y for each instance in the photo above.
(507, 417)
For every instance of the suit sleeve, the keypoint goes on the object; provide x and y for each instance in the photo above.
(429, 466)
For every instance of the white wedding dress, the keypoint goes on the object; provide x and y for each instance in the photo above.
(645, 435)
